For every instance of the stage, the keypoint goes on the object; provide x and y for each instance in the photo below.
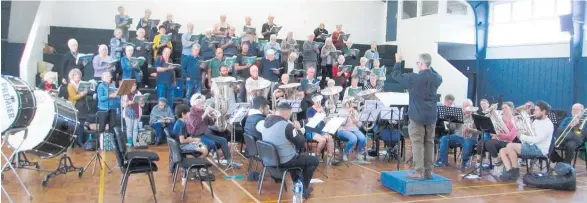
(355, 183)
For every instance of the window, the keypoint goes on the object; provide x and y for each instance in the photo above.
(409, 9)
(544, 8)
(429, 7)
(502, 12)
(522, 10)
(456, 8)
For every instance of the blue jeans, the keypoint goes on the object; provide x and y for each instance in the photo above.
(217, 140)
(454, 141)
(192, 86)
(352, 137)
(166, 91)
(132, 129)
(159, 129)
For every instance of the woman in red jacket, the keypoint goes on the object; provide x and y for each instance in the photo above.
(339, 73)
(338, 43)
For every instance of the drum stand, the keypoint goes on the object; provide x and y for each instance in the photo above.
(20, 161)
(65, 166)
(9, 162)
(97, 159)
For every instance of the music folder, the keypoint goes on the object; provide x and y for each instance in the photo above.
(333, 124)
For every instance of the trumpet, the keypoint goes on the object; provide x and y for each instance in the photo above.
(575, 126)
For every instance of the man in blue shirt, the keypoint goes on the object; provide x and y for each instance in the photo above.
(165, 76)
(191, 71)
(571, 141)
(186, 43)
(422, 112)
(107, 102)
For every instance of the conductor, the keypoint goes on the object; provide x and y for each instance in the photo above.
(422, 87)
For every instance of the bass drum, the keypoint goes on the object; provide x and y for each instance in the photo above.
(18, 103)
(52, 129)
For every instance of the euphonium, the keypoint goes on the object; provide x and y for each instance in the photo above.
(576, 129)
(523, 123)
(498, 124)
(224, 85)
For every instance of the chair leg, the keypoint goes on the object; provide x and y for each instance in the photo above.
(184, 186)
(210, 184)
(124, 187)
(251, 160)
(282, 184)
(200, 178)
(260, 187)
(175, 176)
(528, 166)
(153, 189)
(122, 181)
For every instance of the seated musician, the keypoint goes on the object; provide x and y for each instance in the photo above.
(130, 69)
(499, 141)
(106, 102)
(161, 117)
(253, 82)
(484, 104)
(199, 118)
(222, 24)
(192, 72)
(465, 135)
(230, 94)
(258, 113)
(532, 146)
(353, 89)
(278, 93)
(219, 136)
(214, 66)
(207, 48)
(142, 50)
(230, 48)
(323, 139)
(288, 46)
(270, 67)
(339, 74)
(571, 140)
(78, 99)
(272, 45)
(158, 45)
(97, 62)
(360, 71)
(188, 144)
(310, 53)
(529, 107)
(373, 83)
(165, 76)
(279, 131)
(350, 132)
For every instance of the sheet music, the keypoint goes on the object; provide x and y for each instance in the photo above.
(393, 98)
(314, 121)
(333, 124)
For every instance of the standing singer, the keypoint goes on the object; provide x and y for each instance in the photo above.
(422, 112)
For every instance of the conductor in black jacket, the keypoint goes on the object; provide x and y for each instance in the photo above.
(68, 62)
(422, 112)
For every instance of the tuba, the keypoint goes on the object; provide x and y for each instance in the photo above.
(576, 129)
(498, 124)
(523, 123)
(364, 95)
(223, 87)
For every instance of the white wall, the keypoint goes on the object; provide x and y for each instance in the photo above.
(36, 40)
(22, 14)
(365, 20)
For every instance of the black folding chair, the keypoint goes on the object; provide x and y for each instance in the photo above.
(134, 163)
(270, 159)
(251, 152)
(186, 164)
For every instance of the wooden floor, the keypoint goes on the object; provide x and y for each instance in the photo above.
(355, 183)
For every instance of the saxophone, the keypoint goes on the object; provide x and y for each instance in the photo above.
(523, 123)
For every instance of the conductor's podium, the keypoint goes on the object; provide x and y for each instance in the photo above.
(399, 182)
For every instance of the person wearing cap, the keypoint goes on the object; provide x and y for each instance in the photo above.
(257, 113)
(161, 117)
(324, 139)
(285, 136)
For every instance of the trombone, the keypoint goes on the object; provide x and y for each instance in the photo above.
(577, 129)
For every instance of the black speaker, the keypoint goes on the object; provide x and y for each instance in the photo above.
(566, 22)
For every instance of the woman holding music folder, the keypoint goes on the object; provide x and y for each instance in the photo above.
(160, 42)
(77, 97)
(130, 66)
(132, 110)
(142, 49)
(336, 40)
(148, 25)
(101, 62)
(318, 31)
(288, 46)
(122, 22)
(340, 73)
(327, 54)
(323, 139)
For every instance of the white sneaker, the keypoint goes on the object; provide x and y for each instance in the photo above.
(361, 159)
(345, 158)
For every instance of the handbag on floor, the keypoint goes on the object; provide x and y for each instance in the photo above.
(562, 177)
(145, 137)
(107, 141)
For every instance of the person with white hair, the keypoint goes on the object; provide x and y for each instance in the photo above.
(266, 28)
(290, 64)
(339, 72)
(208, 45)
(97, 64)
(77, 98)
(49, 79)
(130, 69)
(270, 67)
(288, 46)
(142, 49)
(360, 71)
(328, 55)
(121, 21)
(253, 82)
(310, 53)
(148, 25)
(272, 45)
(69, 61)
(199, 118)
(465, 135)
(572, 140)
(372, 54)
(117, 44)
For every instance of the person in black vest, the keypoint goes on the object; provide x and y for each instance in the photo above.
(257, 113)
(69, 62)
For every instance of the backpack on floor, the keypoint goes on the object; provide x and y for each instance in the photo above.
(145, 138)
(107, 141)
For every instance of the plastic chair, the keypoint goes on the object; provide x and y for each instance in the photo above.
(186, 164)
(270, 159)
(251, 151)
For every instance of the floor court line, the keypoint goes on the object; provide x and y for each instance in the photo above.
(235, 183)
(102, 178)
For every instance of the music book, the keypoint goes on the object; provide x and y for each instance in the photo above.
(140, 60)
(138, 98)
(344, 37)
(236, 40)
(354, 52)
(276, 69)
(315, 121)
(335, 54)
(174, 26)
(195, 38)
(154, 22)
(347, 68)
(261, 44)
(112, 90)
(200, 62)
(249, 60)
(317, 44)
(83, 57)
(324, 36)
(378, 71)
(124, 44)
(248, 29)
(223, 29)
(333, 125)
(83, 86)
(174, 65)
(275, 29)
(111, 62)
(165, 38)
(229, 61)
(128, 21)
(353, 91)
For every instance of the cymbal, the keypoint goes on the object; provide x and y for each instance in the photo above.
(368, 92)
(223, 79)
(331, 90)
(289, 85)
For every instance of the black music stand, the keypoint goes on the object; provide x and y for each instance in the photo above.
(236, 116)
(483, 124)
(386, 114)
(296, 105)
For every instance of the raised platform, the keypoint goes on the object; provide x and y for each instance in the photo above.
(399, 182)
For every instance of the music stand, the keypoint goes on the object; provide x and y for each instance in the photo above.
(552, 116)
(397, 100)
(236, 116)
(296, 105)
(450, 114)
(483, 124)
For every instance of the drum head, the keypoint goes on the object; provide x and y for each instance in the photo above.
(10, 106)
(40, 126)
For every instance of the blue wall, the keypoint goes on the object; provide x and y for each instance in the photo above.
(583, 75)
(391, 28)
(521, 80)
